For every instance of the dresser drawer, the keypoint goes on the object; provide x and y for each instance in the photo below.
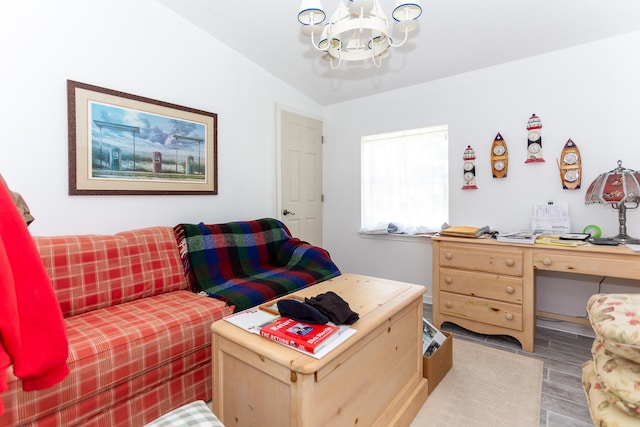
(481, 258)
(484, 285)
(482, 310)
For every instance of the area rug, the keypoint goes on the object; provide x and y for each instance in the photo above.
(485, 387)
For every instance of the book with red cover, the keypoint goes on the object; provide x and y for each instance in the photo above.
(304, 336)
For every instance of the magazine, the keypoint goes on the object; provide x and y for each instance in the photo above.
(254, 319)
(306, 336)
(432, 338)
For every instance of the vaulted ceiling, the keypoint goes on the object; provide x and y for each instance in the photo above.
(454, 36)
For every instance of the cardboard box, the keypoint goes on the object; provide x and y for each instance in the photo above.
(436, 366)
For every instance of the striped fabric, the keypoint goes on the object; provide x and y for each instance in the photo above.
(246, 263)
(134, 360)
(195, 414)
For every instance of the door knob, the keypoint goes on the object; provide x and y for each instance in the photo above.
(286, 212)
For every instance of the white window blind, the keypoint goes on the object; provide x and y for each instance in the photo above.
(405, 180)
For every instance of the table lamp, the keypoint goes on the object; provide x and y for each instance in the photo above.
(619, 188)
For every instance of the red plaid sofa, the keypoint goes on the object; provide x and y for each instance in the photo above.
(139, 339)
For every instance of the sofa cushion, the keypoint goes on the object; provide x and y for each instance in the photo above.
(615, 318)
(155, 393)
(89, 272)
(246, 263)
(109, 349)
(619, 377)
(603, 413)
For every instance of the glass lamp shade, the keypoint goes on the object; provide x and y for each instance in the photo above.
(619, 188)
(406, 11)
(324, 44)
(311, 12)
(356, 5)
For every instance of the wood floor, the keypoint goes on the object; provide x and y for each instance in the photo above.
(563, 399)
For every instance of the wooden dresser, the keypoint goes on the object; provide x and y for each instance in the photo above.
(489, 287)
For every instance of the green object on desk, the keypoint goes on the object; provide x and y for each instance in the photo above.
(594, 230)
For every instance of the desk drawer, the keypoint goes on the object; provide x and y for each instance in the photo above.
(482, 310)
(484, 285)
(601, 264)
(481, 258)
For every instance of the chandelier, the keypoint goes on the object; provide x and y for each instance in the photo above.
(358, 30)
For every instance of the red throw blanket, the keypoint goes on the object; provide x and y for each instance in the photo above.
(32, 333)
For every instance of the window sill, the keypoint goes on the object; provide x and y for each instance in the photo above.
(415, 238)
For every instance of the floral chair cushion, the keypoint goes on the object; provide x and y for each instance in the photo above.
(616, 320)
(619, 377)
(603, 413)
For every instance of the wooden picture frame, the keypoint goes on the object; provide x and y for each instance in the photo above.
(124, 144)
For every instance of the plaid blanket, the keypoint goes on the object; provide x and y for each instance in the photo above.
(247, 263)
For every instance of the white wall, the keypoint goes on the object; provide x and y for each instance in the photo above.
(589, 94)
(145, 49)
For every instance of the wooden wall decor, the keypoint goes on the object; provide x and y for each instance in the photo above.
(469, 172)
(570, 166)
(499, 157)
(534, 140)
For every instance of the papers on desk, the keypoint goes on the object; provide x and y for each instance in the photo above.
(551, 218)
(556, 241)
(634, 247)
(523, 237)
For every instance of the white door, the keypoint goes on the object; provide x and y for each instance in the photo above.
(301, 176)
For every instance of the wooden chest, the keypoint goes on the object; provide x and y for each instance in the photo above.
(373, 379)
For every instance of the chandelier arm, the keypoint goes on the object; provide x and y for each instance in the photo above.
(339, 61)
(313, 43)
(373, 58)
(406, 37)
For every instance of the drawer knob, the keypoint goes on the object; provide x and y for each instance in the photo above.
(546, 261)
(509, 262)
(448, 255)
(448, 280)
(510, 289)
(448, 304)
(508, 316)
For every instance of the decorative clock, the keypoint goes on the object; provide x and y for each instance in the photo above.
(570, 166)
(469, 172)
(534, 140)
(499, 157)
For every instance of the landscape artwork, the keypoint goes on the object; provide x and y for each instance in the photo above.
(126, 144)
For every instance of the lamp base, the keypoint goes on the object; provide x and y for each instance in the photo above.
(624, 239)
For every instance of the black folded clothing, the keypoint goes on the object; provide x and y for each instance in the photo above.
(298, 310)
(334, 307)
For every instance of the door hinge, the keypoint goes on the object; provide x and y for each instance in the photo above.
(322, 139)
(322, 198)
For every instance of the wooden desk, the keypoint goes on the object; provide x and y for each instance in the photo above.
(489, 287)
(372, 379)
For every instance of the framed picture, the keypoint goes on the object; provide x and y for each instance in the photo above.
(123, 144)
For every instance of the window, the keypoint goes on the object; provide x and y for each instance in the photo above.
(405, 180)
